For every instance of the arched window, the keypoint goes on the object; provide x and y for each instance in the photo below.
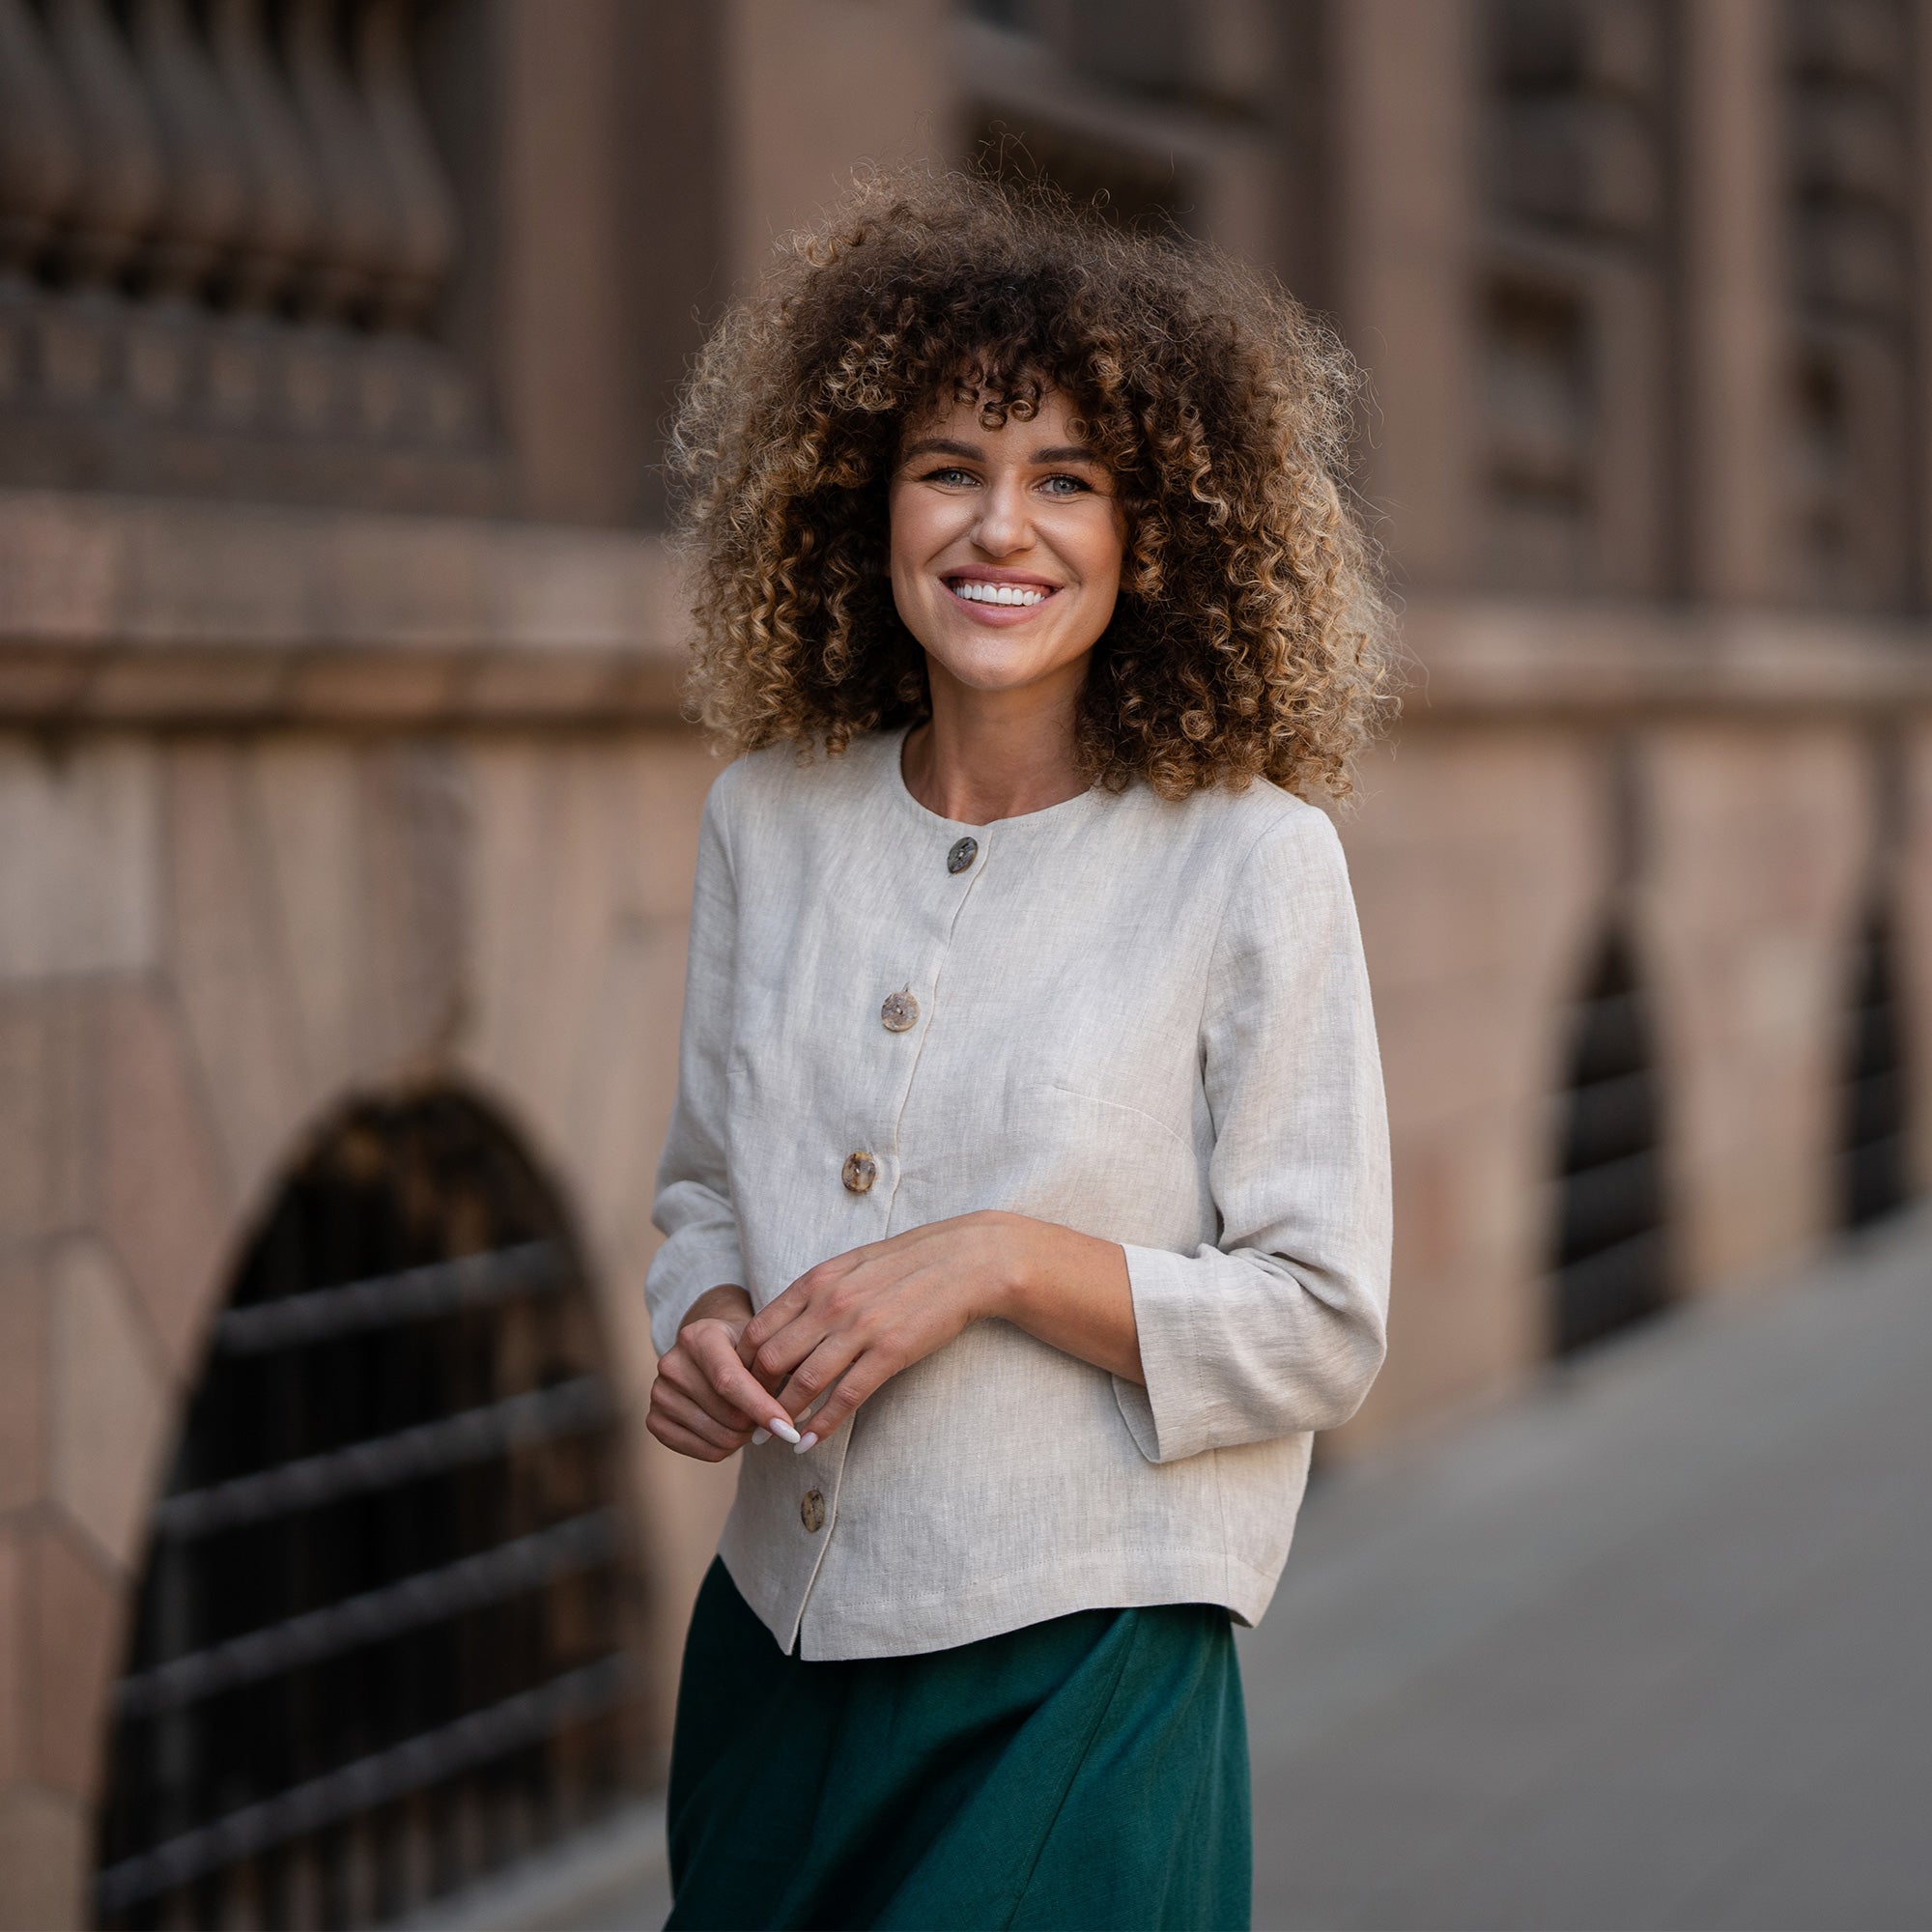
(380, 1643)
(1611, 1260)
(1872, 1177)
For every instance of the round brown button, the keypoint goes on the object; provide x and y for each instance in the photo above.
(963, 855)
(812, 1510)
(900, 1012)
(860, 1171)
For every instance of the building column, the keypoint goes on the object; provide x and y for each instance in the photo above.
(1404, 120)
(1734, 406)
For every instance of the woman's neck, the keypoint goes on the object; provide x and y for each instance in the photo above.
(984, 755)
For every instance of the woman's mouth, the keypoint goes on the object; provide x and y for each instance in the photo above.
(999, 596)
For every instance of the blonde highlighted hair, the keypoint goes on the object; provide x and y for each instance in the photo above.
(1251, 636)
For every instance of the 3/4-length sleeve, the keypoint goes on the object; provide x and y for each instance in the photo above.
(1281, 1326)
(693, 1210)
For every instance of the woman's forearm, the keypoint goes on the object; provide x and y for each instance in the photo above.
(1072, 1291)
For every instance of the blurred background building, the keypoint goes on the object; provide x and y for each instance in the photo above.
(347, 822)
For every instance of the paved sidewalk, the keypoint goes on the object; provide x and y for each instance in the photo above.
(1649, 1648)
(1646, 1648)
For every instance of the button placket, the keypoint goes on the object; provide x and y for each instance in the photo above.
(900, 1012)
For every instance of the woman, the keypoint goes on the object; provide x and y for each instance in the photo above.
(1026, 1201)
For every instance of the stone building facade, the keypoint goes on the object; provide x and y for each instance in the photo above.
(347, 821)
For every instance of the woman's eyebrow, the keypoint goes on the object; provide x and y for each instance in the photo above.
(938, 445)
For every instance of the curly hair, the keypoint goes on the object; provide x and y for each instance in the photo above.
(1250, 637)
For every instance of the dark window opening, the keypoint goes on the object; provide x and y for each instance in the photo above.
(1611, 1254)
(1873, 1173)
(382, 1643)
(1576, 177)
(1541, 392)
(1849, 121)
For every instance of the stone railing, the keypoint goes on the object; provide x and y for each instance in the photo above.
(223, 224)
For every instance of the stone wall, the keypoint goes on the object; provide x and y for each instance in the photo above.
(303, 804)
(1739, 805)
(211, 937)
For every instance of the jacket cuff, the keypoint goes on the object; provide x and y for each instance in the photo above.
(682, 1270)
(1167, 1418)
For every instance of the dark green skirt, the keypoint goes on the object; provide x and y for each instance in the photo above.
(1090, 1770)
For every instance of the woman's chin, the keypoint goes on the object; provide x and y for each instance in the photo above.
(990, 679)
(991, 661)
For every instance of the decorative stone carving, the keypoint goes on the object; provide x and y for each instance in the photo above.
(205, 194)
(40, 169)
(40, 152)
(226, 215)
(283, 215)
(424, 210)
(358, 238)
(122, 176)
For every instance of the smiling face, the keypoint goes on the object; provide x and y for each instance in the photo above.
(1005, 546)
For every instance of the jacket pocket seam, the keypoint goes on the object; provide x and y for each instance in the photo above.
(1122, 1107)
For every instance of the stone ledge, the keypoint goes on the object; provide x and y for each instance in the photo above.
(1519, 656)
(151, 610)
(140, 610)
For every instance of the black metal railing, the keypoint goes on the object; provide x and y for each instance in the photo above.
(1611, 1258)
(1873, 1114)
(383, 1640)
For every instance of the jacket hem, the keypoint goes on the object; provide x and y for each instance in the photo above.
(886, 1629)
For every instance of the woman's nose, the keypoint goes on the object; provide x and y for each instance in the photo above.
(1003, 525)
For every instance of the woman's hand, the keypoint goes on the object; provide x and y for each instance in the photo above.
(704, 1402)
(844, 1329)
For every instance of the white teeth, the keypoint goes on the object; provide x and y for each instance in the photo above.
(974, 592)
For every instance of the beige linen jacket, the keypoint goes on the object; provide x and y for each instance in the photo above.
(1148, 1021)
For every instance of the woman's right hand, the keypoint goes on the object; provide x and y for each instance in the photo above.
(705, 1402)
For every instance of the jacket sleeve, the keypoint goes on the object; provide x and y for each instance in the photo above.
(1281, 1326)
(693, 1209)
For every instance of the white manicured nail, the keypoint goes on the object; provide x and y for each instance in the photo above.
(782, 1429)
(804, 1442)
(761, 1436)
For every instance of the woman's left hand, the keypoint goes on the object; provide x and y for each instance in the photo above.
(844, 1329)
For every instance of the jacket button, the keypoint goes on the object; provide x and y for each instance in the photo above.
(812, 1510)
(860, 1171)
(963, 855)
(900, 1012)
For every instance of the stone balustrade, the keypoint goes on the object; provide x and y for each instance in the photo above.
(221, 221)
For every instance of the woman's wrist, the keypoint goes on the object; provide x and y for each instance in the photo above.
(1005, 1290)
(726, 1302)
(1067, 1289)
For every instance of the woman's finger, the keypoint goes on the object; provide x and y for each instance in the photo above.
(686, 1371)
(816, 1375)
(784, 1349)
(735, 1383)
(673, 1436)
(678, 1407)
(864, 1378)
(789, 1302)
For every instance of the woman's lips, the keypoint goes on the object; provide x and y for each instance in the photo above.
(986, 610)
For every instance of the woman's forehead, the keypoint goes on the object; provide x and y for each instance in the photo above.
(969, 412)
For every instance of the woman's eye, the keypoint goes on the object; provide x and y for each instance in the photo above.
(949, 477)
(1066, 486)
